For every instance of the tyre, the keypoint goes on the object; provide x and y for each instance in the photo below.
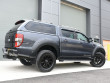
(25, 62)
(98, 60)
(45, 61)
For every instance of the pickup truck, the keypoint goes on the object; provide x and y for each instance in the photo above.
(34, 42)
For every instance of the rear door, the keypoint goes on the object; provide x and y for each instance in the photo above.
(69, 45)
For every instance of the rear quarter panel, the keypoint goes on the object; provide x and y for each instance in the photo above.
(34, 40)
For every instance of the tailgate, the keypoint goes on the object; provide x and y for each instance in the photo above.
(10, 37)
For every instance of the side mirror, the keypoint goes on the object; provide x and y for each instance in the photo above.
(90, 39)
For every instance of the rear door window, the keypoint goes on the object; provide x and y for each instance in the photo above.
(40, 27)
(68, 34)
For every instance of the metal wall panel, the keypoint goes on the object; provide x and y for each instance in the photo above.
(106, 33)
(50, 11)
(105, 19)
(12, 11)
(92, 5)
(73, 16)
(105, 23)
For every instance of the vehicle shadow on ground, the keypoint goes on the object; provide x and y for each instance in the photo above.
(58, 66)
(71, 65)
(22, 68)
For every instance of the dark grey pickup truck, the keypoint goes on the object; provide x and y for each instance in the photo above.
(42, 44)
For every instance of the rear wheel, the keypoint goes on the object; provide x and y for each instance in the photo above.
(25, 62)
(98, 60)
(45, 61)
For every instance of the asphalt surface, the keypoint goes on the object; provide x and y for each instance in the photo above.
(14, 70)
(94, 76)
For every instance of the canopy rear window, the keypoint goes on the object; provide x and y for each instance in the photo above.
(40, 27)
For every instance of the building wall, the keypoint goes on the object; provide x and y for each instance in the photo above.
(51, 8)
(12, 11)
(50, 11)
(105, 19)
(51, 14)
(73, 16)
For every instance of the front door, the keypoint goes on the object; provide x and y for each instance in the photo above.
(87, 47)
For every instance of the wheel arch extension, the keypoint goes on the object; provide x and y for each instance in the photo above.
(100, 50)
(52, 48)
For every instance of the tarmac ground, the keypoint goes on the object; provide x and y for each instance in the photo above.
(14, 70)
(93, 76)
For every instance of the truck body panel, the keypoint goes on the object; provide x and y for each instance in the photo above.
(66, 48)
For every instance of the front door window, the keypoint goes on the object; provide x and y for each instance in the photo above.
(82, 37)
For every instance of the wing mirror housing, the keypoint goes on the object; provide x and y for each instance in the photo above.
(90, 39)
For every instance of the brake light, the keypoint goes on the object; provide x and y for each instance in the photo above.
(18, 40)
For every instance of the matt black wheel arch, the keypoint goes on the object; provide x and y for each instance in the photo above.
(99, 49)
(50, 44)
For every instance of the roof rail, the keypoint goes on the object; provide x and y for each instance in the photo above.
(69, 28)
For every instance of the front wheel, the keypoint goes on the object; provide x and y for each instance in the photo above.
(98, 60)
(45, 60)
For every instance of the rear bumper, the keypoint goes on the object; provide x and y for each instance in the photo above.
(10, 53)
(13, 54)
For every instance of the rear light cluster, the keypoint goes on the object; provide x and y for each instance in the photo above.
(19, 39)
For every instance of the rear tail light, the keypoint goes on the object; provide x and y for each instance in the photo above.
(18, 40)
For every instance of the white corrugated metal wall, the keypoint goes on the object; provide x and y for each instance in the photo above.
(12, 11)
(73, 16)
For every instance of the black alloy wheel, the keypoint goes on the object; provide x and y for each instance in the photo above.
(45, 61)
(98, 60)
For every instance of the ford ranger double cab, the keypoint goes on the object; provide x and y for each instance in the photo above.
(34, 42)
